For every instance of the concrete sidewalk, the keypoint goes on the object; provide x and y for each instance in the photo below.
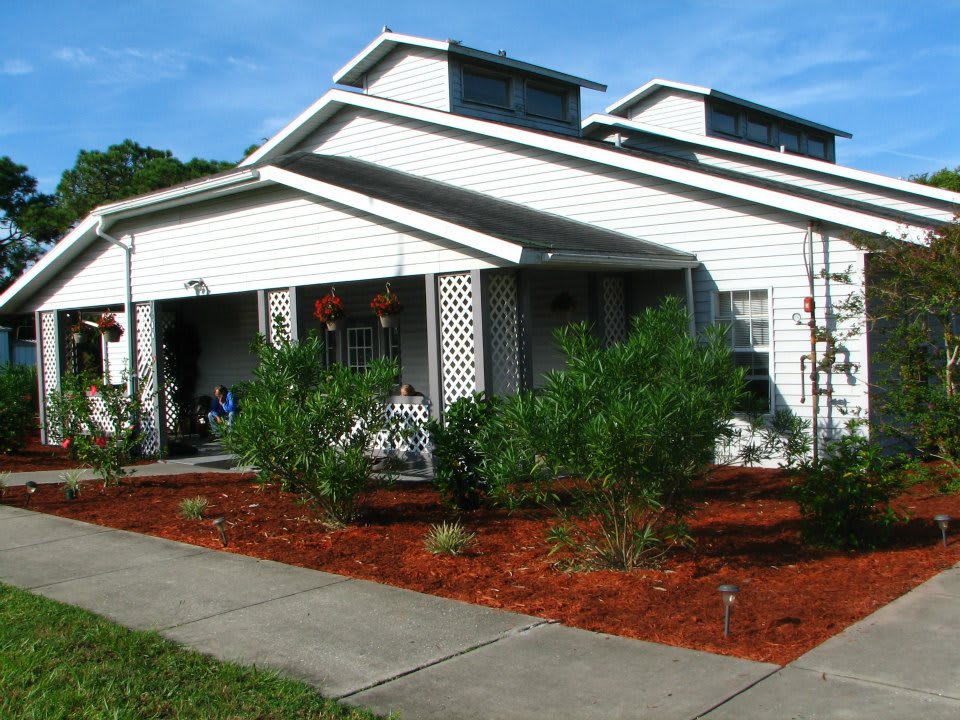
(425, 657)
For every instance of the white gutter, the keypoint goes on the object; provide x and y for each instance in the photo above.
(127, 307)
(175, 193)
(618, 261)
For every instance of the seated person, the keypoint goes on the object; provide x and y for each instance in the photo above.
(222, 408)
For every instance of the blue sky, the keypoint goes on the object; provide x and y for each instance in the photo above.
(209, 78)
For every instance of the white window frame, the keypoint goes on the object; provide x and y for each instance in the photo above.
(771, 341)
(492, 74)
(352, 346)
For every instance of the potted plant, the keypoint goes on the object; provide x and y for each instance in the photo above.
(109, 327)
(329, 309)
(387, 307)
(80, 331)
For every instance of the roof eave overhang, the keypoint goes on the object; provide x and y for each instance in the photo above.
(629, 262)
(352, 73)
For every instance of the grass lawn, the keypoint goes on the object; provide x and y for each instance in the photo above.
(57, 661)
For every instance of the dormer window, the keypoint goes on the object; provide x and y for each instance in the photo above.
(725, 122)
(790, 140)
(545, 101)
(758, 131)
(487, 88)
(816, 147)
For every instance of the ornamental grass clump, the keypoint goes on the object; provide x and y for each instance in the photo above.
(309, 427)
(613, 443)
(71, 483)
(448, 539)
(193, 508)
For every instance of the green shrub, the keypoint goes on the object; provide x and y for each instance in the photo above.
(631, 425)
(18, 405)
(309, 427)
(193, 508)
(457, 453)
(448, 539)
(845, 496)
(106, 443)
(71, 483)
(4, 479)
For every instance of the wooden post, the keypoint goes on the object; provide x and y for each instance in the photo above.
(433, 346)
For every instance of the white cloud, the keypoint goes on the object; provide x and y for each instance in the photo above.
(242, 64)
(74, 56)
(16, 67)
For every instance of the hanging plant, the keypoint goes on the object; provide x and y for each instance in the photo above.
(386, 306)
(109, 327)
(329, 309)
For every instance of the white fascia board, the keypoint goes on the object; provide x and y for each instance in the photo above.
(614, 158)
(774, 157)
(478, 241)
(649, 87)
(177, 193)
(58, 255)
(343, 75)
(303, 124)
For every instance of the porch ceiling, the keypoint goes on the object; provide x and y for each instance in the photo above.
(548, 236)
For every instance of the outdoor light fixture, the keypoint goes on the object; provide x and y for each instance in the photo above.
(943, 521)
(197, 285)
(728, 593)
(219, 524)
(31, 489)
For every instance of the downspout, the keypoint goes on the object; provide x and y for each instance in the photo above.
(691, 307)
(814, 370)
(127, 307)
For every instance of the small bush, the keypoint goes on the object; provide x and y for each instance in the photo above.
(193, 508)
(71, 483)
(4, 478)
(448, 539)
(18, 405)
(845, 496)
(310, 428)
(457, 453)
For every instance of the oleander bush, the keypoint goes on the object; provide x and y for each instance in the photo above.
(18, 405)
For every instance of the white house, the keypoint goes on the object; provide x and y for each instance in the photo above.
(468, 181)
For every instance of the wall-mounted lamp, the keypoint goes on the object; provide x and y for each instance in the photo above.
(198, 286)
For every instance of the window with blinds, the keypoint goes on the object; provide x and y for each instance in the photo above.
(747, 312)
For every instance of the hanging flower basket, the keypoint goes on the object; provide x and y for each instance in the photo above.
(387, 307)
(109, 327)
(329, 309)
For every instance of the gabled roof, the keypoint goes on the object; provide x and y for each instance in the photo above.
(547, 234)
(739, 185)
(658, 84)
(597, 121)
(352, 73)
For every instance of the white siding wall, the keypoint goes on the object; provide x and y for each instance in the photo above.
(673, 109)
(271, 238)
(800, 177)
(741, 244)
(227, 325)
(413, 75)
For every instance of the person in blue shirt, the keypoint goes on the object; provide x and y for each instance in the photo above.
(222, 408)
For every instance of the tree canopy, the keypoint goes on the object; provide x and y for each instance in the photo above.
(21, 230)
(943, 178)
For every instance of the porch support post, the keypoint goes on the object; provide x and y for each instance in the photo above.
(691, 307)
(294, 315)
(524, 315)
(481, 340)
(41, 385)
(433, 344)
(263, 321)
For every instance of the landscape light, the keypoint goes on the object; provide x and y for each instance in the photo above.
(219, 524)
(728, 593)
(31, 489)
(943, 521)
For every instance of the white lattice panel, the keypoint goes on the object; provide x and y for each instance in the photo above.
(504, 333)
(413, 417)
(278, 306)
(457, 359)
(146, 361)
(48, 352)
(170, 410)
(614, 309)
(98, 413)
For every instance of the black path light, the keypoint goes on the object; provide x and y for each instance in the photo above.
(728, 593)
(219, 523)
(31, 489)
(943, 521)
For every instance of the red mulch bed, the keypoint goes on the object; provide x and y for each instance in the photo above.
(35, 456)
(792, 597)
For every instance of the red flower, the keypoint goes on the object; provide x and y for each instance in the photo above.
(328, 308)
(101, 442)
(65, 444)
(386, 303)
(93, 389)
